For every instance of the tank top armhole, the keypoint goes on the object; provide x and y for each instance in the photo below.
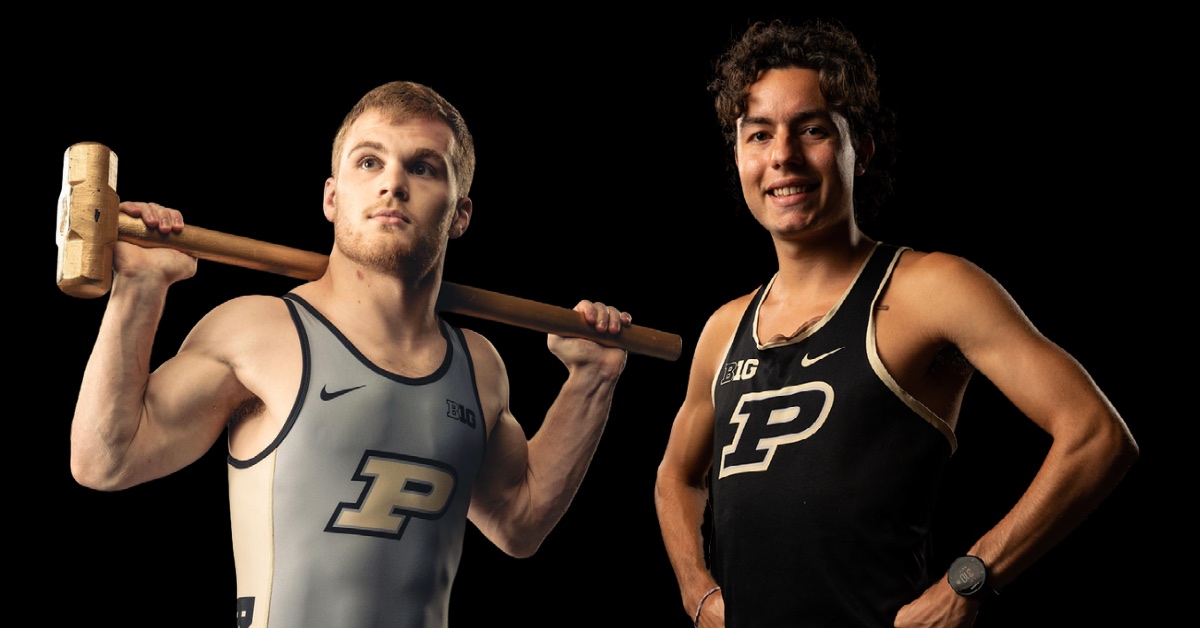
(724, 353)
(919, 408)
(712, 389)
(465, 351)
(301, 391)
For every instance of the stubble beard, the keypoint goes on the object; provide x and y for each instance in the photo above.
(390, 255)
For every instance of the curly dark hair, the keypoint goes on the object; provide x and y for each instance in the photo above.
(848, 81)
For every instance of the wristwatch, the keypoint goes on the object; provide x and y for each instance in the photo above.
(968, 577)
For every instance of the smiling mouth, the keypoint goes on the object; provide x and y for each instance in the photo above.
(793, 189)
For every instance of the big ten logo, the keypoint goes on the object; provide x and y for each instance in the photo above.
(742, 369)
(461, 413)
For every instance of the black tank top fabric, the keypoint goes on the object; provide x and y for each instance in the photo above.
(825, 474)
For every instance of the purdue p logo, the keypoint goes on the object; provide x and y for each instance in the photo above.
(397, 489)
(769, 419)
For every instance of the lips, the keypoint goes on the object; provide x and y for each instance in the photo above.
(390, 216)
(791, 190)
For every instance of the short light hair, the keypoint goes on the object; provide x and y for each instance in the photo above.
(405, 100)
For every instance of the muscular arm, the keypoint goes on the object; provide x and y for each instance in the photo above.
(525, 486)
(681, 488)
(1091, 447)
(131, 425)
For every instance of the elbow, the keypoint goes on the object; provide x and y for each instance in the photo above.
(516, 537)
(665, 475)
(88, 476)
(1113, 448)
(660, 488)
(95, 474)
(1128, 450)
(520, 543)
(100, 461)
(523, 549)
(524, 536)
(1122, 448)
(673, 481)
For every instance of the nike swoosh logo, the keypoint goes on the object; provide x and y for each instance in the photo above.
(326, 395)
(806, 361)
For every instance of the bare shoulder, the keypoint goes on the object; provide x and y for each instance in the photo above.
(246, 313)
(926, 270)
(954, 299)
(253, 305)
(941, 282)
(722, 323)
(245, 325)
(484, 354)
(715, 337)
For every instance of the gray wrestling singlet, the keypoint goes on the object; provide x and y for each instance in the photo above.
(354, 516)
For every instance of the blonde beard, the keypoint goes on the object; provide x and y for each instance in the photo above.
(387, 255)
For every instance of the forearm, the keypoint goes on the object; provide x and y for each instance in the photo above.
(680, 506)
(1079, 472)
(109, 409)
(562, 450)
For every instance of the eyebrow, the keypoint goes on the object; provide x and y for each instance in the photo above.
(803, 116)
(368, 144)
(420, 153)
(429, 153)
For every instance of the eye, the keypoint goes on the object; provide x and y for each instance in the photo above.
(369, 163)
(757, 137)
(423, 169)
(814, 132)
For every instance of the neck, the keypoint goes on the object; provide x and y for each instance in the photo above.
(821, 257)
(382, 307)
(813, 275)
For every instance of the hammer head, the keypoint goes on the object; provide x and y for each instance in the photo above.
(87, 220)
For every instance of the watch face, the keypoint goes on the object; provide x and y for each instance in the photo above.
(967, 575)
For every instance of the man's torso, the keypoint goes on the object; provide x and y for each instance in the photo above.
(354, 514)
(824, 471)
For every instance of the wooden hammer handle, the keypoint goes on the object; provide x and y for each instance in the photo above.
(552, 319)
(226, 248)
(282, 260)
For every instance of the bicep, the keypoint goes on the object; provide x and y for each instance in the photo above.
(503, 471)
(188, 401)
(506, 457)
(688, 454)
(1045, 383)
(192, 394)
(1040, 378)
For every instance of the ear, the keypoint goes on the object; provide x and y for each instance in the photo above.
(330, 208)
(462, 217)
(863, 155)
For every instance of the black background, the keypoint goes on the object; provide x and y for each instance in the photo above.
(1032, 147)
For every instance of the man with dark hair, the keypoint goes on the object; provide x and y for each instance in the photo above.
(822, 408)
(363, 429)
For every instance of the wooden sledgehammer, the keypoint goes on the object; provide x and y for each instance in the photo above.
(90, 222)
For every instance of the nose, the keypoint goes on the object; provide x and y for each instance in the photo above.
(394, 183)
(785, 150)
